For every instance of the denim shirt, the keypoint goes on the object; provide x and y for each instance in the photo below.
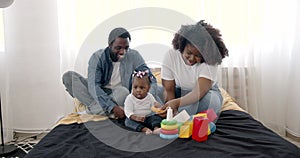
(100, 69)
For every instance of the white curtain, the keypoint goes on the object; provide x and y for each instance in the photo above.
(34, 95)
(293, 101)
(260, 35)
(259, 66)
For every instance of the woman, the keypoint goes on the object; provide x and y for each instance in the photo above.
(189, 71)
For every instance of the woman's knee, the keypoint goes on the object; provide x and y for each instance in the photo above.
(213, 100)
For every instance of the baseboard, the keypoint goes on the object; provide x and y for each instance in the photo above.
(33, 131)
(294, 137)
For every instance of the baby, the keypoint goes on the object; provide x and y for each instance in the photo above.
(137, 106)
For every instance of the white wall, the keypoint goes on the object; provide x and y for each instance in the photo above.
(34, 89)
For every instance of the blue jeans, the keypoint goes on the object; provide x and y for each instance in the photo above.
(150, 122)
(77, 86)
(159, 94)
(212, 99)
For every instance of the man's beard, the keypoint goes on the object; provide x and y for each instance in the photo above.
(113, 56)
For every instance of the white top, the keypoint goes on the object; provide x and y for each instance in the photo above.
(140, 107)
(185, 76)
(115, 80)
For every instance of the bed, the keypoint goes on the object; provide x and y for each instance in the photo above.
(237, 135)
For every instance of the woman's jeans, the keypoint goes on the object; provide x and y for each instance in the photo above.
(212, 99)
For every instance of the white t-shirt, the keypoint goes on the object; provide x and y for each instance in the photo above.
(185, 76)
(115, 80)
(140, 107)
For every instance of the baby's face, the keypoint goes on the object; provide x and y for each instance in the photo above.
(140, 87)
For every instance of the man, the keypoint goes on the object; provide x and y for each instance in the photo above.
(109, 74)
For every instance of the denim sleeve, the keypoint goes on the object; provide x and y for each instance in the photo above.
(94, 84)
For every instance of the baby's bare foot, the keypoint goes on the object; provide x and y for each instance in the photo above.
(148, 131)
(156, 131)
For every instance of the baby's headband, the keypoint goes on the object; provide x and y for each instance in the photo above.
(140, 74)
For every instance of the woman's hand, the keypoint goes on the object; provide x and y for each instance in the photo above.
(174, 104)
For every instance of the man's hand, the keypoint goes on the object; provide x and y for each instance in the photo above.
(118, 111)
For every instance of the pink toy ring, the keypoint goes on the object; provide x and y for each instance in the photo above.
(169, 132)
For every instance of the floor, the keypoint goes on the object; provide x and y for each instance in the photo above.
(27, 141)
(28, 137)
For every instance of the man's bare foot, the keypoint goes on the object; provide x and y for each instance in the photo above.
(147, 130)
(156, 130)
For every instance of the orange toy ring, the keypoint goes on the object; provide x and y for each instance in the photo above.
(157, 110)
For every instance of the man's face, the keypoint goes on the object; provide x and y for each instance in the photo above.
(118, 48)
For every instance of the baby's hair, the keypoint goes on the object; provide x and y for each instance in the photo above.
(141, 74)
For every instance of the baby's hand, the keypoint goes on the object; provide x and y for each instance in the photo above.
(138, 118)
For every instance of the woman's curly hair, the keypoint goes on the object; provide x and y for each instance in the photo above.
(180, 41)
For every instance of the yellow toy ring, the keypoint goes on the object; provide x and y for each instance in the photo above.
(168, 127)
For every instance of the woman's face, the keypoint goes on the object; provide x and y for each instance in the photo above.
(191, 55)
(140, 87)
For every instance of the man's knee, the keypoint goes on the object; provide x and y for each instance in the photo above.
(160, 94)
(67, 77)
(119, 95)
(70, 77)
(67, 81)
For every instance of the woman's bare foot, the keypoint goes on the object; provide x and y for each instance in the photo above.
(156, 130)
(147, 130)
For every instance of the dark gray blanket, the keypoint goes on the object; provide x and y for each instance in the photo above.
(237, 135)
